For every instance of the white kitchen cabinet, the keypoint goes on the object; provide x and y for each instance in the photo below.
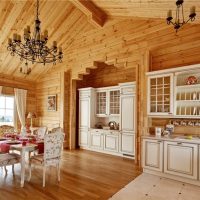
(153, 154)
(107, 101)
(83, 138)
(181, 159)
(96, 139)
(86, 114)
(160, 94)
(128, 118)
(111, 142)
(127, 143)
(199, 162)
(128, 112)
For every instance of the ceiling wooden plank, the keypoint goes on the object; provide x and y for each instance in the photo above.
(95, 15)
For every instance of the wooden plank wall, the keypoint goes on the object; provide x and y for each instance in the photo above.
(48, 84)
(124, 45)
(54, 83)
(107, 75)
(10, 83)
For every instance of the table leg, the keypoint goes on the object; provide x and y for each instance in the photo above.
(22, 167)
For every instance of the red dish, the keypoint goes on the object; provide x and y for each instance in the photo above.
(191, 80)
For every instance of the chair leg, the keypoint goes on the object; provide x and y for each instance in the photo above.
(13, 169)
(58, 172)
(29, 178)
(44, 172)
(5, 170)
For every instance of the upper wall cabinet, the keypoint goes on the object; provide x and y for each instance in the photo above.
(107, 101)
(187, 94)
(174, 92)
(160, 94)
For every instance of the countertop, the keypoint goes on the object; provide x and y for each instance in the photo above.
(174, 138)
(104, 130)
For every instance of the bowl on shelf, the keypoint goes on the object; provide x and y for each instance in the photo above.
(191, 80)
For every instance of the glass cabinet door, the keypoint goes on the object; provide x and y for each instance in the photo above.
(114, 102)
(101, 103)
(160, 95)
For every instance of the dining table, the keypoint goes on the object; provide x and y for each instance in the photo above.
(24, 146)
(23, 150)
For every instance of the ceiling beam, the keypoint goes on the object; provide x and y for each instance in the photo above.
(95, 15)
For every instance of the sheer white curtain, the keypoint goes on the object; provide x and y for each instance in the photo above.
(15, 117)
(20, 100)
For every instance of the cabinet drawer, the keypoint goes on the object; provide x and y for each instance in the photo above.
(181, 159)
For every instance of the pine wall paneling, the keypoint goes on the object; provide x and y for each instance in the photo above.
(124, 45)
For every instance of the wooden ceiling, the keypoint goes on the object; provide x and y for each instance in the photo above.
(61, 18)
(67, 19)
(144, 8)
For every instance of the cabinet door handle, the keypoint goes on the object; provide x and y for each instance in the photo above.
(179, 143)
(159, 141)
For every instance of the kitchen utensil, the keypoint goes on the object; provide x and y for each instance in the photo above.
(112, 125)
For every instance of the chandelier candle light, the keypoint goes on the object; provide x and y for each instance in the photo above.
(34, 48)
(179, 20)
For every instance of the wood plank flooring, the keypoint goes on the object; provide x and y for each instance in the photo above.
(85, 175)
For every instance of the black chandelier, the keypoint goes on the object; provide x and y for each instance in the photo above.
(180, 20)
(34, 48)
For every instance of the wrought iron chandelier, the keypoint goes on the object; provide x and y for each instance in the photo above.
(34, 48)
(180, 20)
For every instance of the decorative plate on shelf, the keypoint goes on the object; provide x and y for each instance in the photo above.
(191, 80)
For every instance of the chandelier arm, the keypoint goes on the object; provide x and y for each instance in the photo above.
(37, 10)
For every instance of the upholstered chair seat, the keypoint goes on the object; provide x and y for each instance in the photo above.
(9, 159)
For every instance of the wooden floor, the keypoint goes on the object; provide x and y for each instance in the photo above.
(85, 175)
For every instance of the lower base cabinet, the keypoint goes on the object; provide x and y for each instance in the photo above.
(96, 140)
(181, 159)
(128, 143)
(172, 158)
(153, 155)
(111, 142)
(83, 137)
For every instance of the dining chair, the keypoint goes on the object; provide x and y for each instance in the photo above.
(57, 129)
(52, 154)
(41, 131)
(7, 159)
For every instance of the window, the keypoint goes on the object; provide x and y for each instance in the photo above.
(6, 110)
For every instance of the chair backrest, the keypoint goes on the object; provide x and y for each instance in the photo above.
(41, 132)
(52, 147)
(57, 129)
(6, 129)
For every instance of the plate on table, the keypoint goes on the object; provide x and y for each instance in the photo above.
(13, 142)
